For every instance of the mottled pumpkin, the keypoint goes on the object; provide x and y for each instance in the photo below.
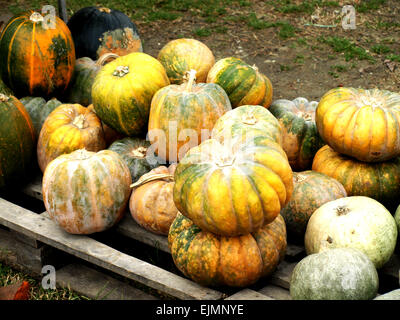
(363, 124)
(311, 190)
(123, 89)
(233, 190)
(300, 135)
(181, 116)
(182, 55)
(380, 181)
(151, 204)
(213, 260)
(243, 83)
(69, 127)
(36, 58)
(86, 192)
(17, 141)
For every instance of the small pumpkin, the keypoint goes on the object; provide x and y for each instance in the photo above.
(184, 115)
(363, 124)
(233, 190)
(182, 55)
(86, 192)
(353, 222)
(300, 135)
(35, 58)
(213, 260)
(337, 274)
(123, 89)
(100, 30)
(69, 127)
(311, 190)
(151, 203)
(243, 83)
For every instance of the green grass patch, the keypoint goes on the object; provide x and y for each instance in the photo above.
(163, 15)
(393, 57)
(220, 29)
(299, 59)
(286, 30)
(380, 49)
(304, 7)
(285, 67)
(202, 32)
(369, 5)
(339, 68)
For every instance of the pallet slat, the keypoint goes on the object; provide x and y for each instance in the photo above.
(248, 294)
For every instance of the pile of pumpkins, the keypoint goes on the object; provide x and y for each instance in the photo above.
(199, 152)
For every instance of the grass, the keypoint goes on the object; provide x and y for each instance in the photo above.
(369, 5)
(304, 7)
(380, 49)
(202, 32)
(393, 57)
(286, 30)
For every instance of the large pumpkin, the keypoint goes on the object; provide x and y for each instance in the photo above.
(243, 83)
(68, 128)
(17, 141)
(311, 190)
(182, 55)
(151, 203)
(86, 192)
(363, 124)
(300, 135)
(380, 181)
(213, 260)
(36, 58)
(100, 30)
(353, 222)
(123, 89)
(233, 190)
(181, 116)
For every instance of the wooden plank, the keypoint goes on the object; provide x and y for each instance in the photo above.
(281, 277)
(46, 231)
(275, 292)
(24, 239)
(294, 252)
(248, 294)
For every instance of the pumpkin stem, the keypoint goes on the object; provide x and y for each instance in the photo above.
(152, 177)
(80, 122)
(341, 211)
(102, 60)
(305, 115)
(249, 118)
(254, 67)
(191, 76)
(121, 71)
(36, 17)
(3, 98)
(139, 152)
(104, 9)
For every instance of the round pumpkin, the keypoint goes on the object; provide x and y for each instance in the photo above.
(363, 124)
(86, 192)
(123, 89)
(17, 141)
(100, 30)
(182, 55)
(391, 295)
(311, 190)
(380, 181)
(397, 219)
(243, 83)
(181, 116)
(337, 274)
(151, 203)
(134, 152)
(353, 222)
(233, 190)
(213, 260)
(36, 58)
(300, 135)
(247, 122)
(69, 127)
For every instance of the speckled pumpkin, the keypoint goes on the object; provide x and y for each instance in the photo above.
(184, 115)
(233, 190)
(363, 124)
(300, 135)
(182, 55)
(36, 59)
(123, 89)
(86, 192)
(213, 260)
(151, 203)
(243, 83)
(69, 127)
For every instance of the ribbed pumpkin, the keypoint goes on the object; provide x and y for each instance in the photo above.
(233, 190)
(311, 190)
(123, 89)
(380, 181)
(182, 55)
(151, 203)
(213, 260)
(86, 192)
(243, 83)
(247, 122)
(100, 30)
(34, 60)
(300, 135)
(134, 152)
(17, 141)
(363, 124)
(68, 128)
(184, 115)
